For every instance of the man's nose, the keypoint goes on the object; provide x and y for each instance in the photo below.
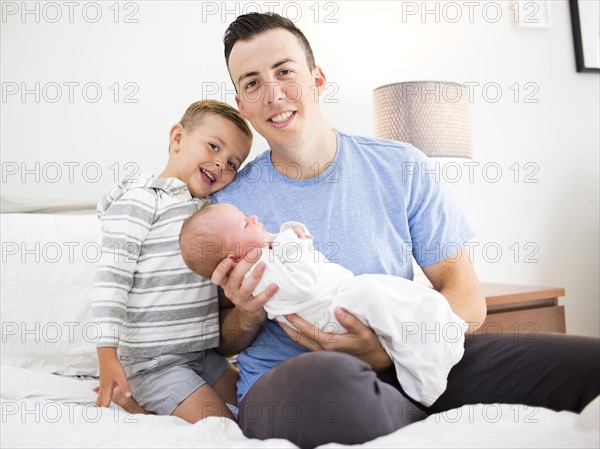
(274, 92)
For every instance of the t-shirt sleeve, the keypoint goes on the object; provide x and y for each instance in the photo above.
(437, 226)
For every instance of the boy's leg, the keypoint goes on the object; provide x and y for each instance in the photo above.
(323, 397)
(202, 403)
(218, 372)
(225, 387)
(179, 385)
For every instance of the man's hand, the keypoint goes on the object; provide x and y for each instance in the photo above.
(112, 375)
(360, 340)
(238, 288)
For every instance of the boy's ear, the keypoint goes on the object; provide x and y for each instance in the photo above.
(175, 136)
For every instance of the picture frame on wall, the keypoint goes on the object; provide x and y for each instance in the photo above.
(585, 20)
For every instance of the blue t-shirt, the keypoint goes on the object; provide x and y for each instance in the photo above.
(377, 204)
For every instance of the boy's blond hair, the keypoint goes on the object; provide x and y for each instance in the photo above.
(198, 110)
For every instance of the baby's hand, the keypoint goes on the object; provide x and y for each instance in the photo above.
(301, 235)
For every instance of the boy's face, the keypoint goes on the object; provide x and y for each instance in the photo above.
(240, 231)
(207, 158)
(277, 92)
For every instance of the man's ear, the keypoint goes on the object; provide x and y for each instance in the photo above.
(175, 136)
(240, 106)
(319, 78)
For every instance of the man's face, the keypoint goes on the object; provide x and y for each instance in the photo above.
(277, 92)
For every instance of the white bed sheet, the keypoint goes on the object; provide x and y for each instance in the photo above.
(46, 410)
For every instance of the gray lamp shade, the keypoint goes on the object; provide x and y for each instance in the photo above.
(431, 115)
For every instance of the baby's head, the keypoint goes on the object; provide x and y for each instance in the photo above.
(216, 232)
(207, 147)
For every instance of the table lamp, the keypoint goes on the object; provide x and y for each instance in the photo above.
(433, 116)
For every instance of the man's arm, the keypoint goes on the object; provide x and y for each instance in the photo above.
(236, 332)
(239, 325)
(455, 278)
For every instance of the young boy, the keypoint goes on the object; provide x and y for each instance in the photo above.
(162, 317)
(415, 324)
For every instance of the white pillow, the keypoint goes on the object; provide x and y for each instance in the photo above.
(48, 267)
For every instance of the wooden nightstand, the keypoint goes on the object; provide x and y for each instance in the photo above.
(523, 309)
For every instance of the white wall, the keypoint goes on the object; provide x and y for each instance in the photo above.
(172, 55)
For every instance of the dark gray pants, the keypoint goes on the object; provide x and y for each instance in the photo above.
(323, 397)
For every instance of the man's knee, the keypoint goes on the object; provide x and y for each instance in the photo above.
(323, 397)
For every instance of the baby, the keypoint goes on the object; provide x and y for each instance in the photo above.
(415, 324)
(161, 316)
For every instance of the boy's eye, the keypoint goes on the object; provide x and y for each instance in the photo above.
(214, 147)
(232, 166)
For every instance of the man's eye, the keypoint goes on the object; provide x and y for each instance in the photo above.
(251, 85)
(285, 72)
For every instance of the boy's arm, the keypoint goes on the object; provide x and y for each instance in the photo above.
(125, 226)
(112, 374)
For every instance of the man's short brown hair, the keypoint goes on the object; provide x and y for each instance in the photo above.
(246, 26)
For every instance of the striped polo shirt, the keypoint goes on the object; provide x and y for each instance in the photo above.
(145, 299)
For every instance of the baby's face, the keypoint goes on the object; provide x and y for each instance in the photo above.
(240, 231)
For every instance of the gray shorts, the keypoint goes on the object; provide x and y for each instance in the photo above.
(161, 383)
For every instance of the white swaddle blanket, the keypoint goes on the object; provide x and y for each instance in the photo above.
(415, 324)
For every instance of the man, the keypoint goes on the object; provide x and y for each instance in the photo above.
(367, 211)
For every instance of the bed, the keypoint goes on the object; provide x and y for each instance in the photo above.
(49, 362)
